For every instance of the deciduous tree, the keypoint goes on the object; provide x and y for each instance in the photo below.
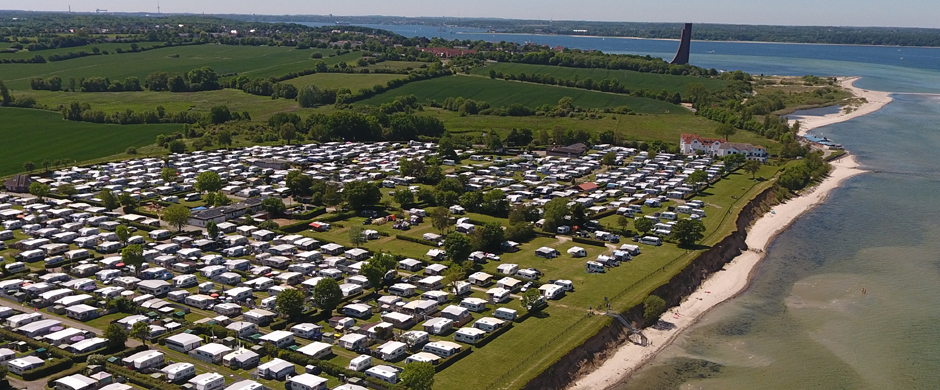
(177, 215)
(327, 294)
(290, 302)
(133, 255)
(208, 181)
(116, 336)
(689, 231)
(355, 236)
(653, 307)
(418, 376)
(108, 200)
(752, 167)
(643, 224)
(457, 246)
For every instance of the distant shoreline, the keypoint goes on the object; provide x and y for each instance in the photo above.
(736, 275)
(694, 40)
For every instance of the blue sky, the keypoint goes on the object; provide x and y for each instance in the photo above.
(900, 13)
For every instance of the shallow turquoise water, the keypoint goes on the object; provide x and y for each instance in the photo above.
(805, 322)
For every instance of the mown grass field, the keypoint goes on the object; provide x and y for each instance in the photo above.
(34, 135)
(251, 61)
(500, 93)
(353, 81)
(631, 79)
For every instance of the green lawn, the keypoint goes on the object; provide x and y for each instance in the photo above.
(251, 61)
(36, 135)
(630, 79)
(500, 93)
(353, 81)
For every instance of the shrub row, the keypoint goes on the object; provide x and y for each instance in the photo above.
(493, 335)
(139, 379)
(72, 371)
(544, 234)
(605, 213)
(589, 241)
(310, 214)
(296, 227)
(417, 240)
(337, 217)
(453, 359)
(34, 344)
(51, 367)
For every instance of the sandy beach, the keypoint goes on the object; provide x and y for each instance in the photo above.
(736, 275)
(876, 100)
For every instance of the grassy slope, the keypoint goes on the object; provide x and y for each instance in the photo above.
(500, 93)
(353, 81)
(252, 61)
(634, 80)
(36, 135)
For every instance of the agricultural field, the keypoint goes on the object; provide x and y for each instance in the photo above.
(500, 93)
(260, 107)
(251, 61)
(40, 135)
(353, 81)
(109, 47)
(631, 79)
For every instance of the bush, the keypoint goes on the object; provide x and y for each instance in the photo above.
(139, 379)
(588, 241)
(51, 367)
(417, 240)
(310, 214)
(338, 217)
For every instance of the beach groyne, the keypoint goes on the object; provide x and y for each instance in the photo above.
(587, 356)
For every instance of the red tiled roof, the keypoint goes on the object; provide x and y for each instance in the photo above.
(688, 138)
(589, 186)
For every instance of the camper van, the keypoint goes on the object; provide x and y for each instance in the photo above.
(360, 363)
(593, 266)
(650, 240)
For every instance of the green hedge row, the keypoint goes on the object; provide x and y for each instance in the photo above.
(337, 217)
(34, 344)
(51, 367)
(417, 240)
(589, 241)
(139, 379)
(544, 234)
(605, 213)
(296, 227)
(77, 369)
(493, 335)
(310, 214)
(453, 359)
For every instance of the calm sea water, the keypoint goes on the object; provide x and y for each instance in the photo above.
(846, 298)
